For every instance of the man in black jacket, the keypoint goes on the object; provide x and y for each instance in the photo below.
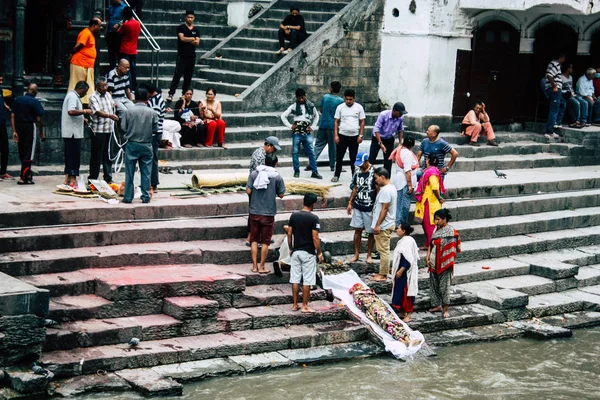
(291, 28)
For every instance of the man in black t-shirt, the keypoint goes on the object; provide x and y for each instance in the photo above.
(304, 227)
(360, 206)
(291, 28)
(188, 38)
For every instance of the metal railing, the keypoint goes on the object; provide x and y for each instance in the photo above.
(155, 52)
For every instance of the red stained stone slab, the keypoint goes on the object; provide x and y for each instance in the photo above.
(163, 281)
(279, 315)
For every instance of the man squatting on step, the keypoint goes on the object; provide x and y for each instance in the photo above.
(304, 242)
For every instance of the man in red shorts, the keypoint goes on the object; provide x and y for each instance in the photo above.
(264, 186)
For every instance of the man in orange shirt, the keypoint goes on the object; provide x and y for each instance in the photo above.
(83, 57)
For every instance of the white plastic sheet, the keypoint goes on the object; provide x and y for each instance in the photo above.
(340, 284)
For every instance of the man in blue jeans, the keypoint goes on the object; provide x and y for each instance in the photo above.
(329, 103)
(553, 90)
(139, 123)
(306, 119)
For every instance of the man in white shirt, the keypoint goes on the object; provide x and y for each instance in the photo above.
(306, 120)
(384, 214)
(348, 131)
(405, 177)
(72, 118)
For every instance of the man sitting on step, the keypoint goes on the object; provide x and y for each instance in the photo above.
(477, 122)
(291, 28)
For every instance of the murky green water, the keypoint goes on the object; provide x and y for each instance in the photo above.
(512, 369)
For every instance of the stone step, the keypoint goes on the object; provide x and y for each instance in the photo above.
(575, 320)
(237, 65)
(463, 316)
(211, 252)
(268, 295)
(238, 149)
(309, 5)
(334, 232)
(241, 53)
(221, 87)
(206, 30)
(177, 17)
(200, 7)
(553, 303)
(588, 275)
(422, 302)
(98, 332)
(81, 361)
(233, 77)
(311, 25)
(258, 43)
(190, 307)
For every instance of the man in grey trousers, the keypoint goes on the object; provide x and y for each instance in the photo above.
(139, 124)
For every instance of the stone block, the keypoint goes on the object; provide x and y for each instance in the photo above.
(335, 352)
(19, 298)
(190, 307)
(475, 334)
(96, 383)
(151, 384)
(491, 296)
(554, 270)
(261, 362)
(565, 284)
(198, 370)
(460, 317)
(541, 331)
(591, 301)
(576, 320)
(323, 333)
(553, 303)
(23, 380)
(10, 394)
(588, 276)
(514, 314)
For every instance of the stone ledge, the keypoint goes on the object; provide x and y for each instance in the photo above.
(20, 298)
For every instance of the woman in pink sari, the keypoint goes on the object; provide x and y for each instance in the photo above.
(428, 197)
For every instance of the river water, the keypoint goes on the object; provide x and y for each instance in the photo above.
(510, 369)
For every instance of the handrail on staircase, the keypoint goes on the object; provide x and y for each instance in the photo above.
(154, 59)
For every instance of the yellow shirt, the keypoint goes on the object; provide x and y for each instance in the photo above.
(434, 204)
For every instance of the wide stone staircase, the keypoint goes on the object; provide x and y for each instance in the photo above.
(249, 53)
(176, 274)
(161, 18)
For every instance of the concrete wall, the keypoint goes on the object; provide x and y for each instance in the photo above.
(418, 55)
(237, 11)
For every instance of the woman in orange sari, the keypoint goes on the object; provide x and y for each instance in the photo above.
(428, 197)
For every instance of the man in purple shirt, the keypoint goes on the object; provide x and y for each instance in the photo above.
(388, 123)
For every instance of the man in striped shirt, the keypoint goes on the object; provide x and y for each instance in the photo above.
(157, 103)
(103, 119)
(119, 87)
(554, 94)
(433, 144)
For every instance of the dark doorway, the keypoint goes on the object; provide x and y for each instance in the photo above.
(550, 40)
(494, 71)
(595, 50)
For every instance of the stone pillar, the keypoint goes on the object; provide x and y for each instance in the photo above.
(19, 51)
